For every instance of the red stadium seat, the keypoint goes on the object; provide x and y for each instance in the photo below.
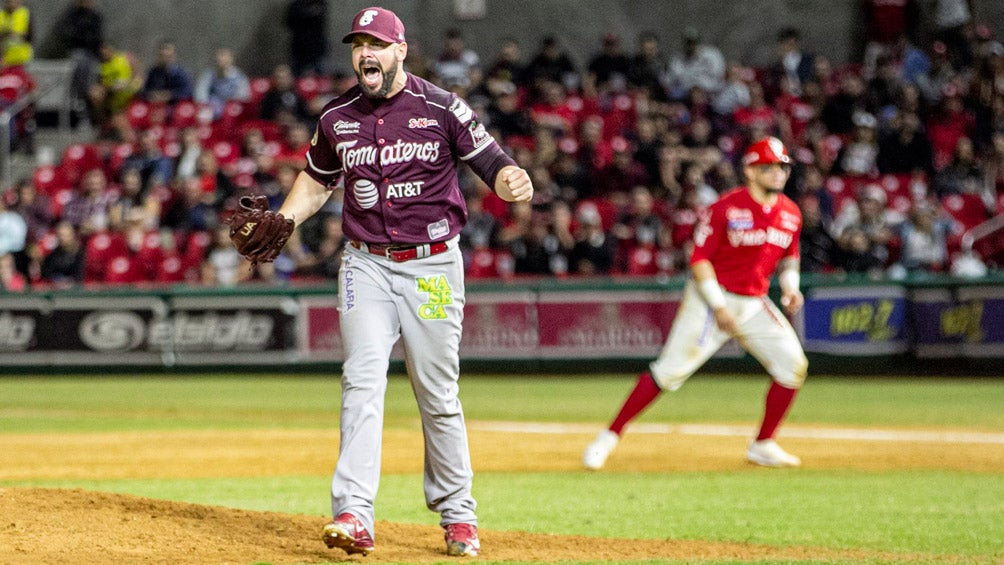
(124, 269)
(138, 114)
(967, 209)
(117, 157)
(79, 158)
(642, 260)
(259, 86)
(170, 269)
(49, 179)
(482, 264)
(99, 251)
(48, 242)
(60, 199)
(310, 86)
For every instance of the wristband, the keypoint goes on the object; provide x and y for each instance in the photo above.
(711, 293)
(789, 280)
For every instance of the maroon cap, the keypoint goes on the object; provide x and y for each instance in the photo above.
(381, 23)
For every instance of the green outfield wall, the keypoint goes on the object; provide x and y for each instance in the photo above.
(930, 325)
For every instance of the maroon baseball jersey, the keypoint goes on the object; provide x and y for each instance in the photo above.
(399, 159)
(745, 240)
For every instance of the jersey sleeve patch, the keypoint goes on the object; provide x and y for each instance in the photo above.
(479, 135)
(461, 110)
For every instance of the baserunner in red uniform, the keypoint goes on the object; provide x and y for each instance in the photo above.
(743, 238)
(394, 141)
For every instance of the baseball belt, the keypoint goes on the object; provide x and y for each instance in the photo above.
(401, 253)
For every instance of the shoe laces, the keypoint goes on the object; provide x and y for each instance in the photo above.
(461, 532)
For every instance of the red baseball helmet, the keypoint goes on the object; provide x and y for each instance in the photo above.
(767, 151)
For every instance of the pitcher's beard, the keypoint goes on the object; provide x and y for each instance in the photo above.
(385, 85)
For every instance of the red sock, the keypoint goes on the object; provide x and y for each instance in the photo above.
(779, 399)
(643, 394)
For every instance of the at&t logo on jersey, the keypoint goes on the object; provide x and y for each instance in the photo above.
(366, 193)
(405, 189)
(422, 123)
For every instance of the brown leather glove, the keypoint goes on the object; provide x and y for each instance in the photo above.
(258, 233)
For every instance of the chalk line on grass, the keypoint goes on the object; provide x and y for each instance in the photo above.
(805, 432)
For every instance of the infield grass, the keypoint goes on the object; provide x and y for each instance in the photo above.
(925, 511)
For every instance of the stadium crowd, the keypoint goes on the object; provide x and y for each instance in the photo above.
(897, 153)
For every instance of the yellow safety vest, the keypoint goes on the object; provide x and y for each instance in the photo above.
(16, 49)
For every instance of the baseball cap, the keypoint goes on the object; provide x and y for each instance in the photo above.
(380, 23)
(767, 151)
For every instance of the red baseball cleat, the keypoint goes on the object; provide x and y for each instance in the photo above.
(462, 539)
(348, 533)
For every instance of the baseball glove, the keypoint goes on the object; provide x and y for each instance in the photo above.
(258, 233)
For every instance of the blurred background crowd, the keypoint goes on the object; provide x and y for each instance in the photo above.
(898, 154)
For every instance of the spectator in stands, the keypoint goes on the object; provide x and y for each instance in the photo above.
(80, 33)
(89, 207)
(223, 265)
(307, 23)
(506, 116)
(64, 265)
(792, 61)
(838, 112)
(222, 82)
(859, 156)
(886, 24)
(186, 161)
(133, 196)
(326, 260)
(167, 82)
(117, 85)
(700, 64)
(923, 236)
(904, 148)
(952, 22)
(735, 92)
(508, 66)
(868, 215)
(282, 103)
(149, 159)
(638, 224)
(607, 66)
(11, 280)
(482, 228)
(963, 175)
(594, 249)
(13, 229)
(191, 209)
(859, 254)
(947, 124)
(555, 112)
(649, 66)
(15, 83)
(35, 208)
(551, 64)
(816, 244)
(622, 174)
(15, 33)
(455, 61)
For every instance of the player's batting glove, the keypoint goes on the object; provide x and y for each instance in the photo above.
(258, 233)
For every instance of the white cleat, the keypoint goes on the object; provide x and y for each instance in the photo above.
(768, 453)
(597, 452)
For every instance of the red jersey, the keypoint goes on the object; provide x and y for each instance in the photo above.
(745, 240)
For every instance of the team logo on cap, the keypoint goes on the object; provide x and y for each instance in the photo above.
(367, 17)
(776, 147)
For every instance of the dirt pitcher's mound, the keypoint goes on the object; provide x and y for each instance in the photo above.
(42, 526)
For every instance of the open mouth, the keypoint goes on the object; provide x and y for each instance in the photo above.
(371, 74)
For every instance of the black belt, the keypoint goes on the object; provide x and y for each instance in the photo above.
(400, 253)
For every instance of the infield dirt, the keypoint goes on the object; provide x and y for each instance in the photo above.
(42, 526)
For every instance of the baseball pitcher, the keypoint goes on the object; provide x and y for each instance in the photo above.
(394, 140)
